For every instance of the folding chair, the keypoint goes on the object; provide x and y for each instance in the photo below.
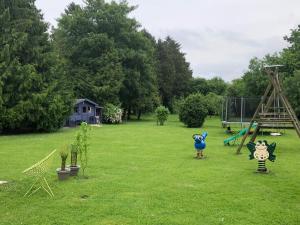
(39, 171)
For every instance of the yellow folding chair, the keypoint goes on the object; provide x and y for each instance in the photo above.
(39, 171)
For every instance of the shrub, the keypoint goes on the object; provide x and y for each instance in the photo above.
(112, 114)
(213, 103)
(177, 103)
(161, 113)
(194, 110)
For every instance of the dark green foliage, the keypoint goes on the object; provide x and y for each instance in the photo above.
(213, 103)
(194, 110)
(112, 114)
(198, 84)
(204, 86)
(236, 88)
(291, 55)
(83, 38)
(33, 92)
(292, 90)
(176, 104)
(291, 60)
(255, 79)
(108, 59)
(217, 85)
(174, 73)
(139, 89)
(161, 113)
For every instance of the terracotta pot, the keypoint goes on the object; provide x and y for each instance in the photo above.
(63, 174)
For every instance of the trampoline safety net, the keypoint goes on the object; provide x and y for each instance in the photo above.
(238, 110)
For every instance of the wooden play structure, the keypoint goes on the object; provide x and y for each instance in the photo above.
(274, 110)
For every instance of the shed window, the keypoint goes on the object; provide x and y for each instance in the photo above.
(76, 109)
(89, 109)
(84, 109)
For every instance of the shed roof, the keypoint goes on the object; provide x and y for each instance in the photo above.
(80, 100)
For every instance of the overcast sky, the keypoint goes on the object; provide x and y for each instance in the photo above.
(219, 37)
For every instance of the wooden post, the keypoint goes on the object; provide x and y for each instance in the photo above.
(254, 117)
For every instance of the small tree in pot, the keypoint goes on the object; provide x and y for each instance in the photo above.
(83, 150)
(63, 172)
(74, 168)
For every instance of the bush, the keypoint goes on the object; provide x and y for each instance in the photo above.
(213, 103)
(194, 110)
(112, 114)
(176, 105)
(161, 115)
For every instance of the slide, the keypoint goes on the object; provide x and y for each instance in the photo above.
(241, 133)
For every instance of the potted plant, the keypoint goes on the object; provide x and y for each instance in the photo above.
(63, 172)
(74, 168)
(82, 138)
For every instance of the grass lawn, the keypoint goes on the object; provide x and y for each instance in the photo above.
(140, 173)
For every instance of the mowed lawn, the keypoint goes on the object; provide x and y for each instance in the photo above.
(140, 173)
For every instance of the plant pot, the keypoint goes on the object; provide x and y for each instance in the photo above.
(63, 174)
(74, 170)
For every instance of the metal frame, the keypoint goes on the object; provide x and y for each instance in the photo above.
(39, 171)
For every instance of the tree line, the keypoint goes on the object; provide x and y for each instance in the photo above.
(97, 51)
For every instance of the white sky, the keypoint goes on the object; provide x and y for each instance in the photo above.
(219, 37)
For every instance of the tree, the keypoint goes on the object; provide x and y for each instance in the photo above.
(198, 84)
(139, 89)
(109, 59)
(217, 85)
(213, 103)
(174, 73)
(292, 90)
(291, 60)
(194, 110)
(236, 88)
(84, 39)
(291, 55)
(31, 76)
(255, 79)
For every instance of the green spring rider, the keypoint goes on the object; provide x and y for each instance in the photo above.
(262, 151)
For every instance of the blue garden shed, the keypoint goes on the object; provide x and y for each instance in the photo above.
(85, 110)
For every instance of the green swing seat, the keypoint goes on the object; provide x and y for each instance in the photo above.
(39, 171)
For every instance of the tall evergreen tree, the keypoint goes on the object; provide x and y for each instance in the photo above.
(92, 60)
(31, 94)
(139, 89)
(174, 73)
(109, 60)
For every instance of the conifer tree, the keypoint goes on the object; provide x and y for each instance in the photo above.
(31, 97)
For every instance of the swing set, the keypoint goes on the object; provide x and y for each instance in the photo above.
(274, 110)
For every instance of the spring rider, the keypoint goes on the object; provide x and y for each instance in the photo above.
(199, 144)
(262, 151)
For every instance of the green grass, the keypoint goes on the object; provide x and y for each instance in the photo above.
(140, 173)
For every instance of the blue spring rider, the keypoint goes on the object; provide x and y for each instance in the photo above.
(200, 144)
